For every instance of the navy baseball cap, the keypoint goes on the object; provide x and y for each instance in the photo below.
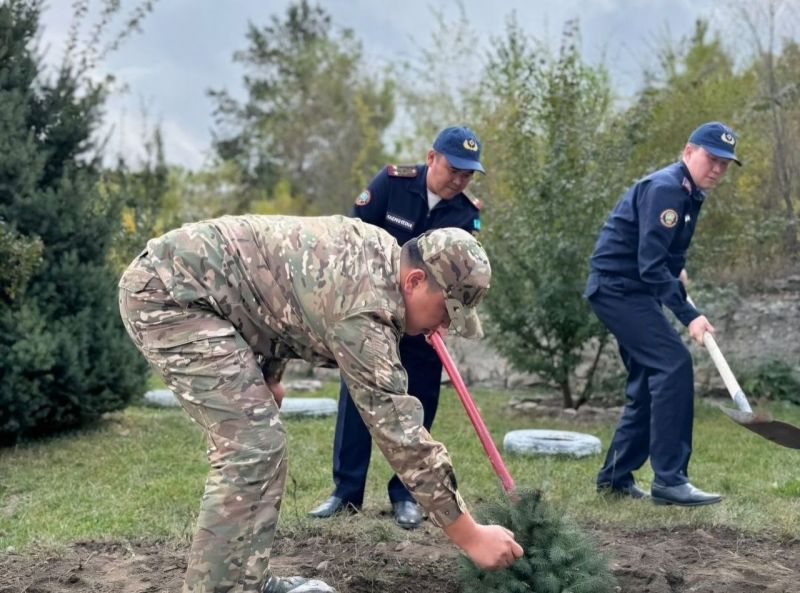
(718, 139)
(461, 147)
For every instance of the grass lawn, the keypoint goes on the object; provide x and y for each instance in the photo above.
(140, 472)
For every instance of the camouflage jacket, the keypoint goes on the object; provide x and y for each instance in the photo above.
(325, 290)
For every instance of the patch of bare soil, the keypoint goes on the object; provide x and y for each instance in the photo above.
(660, 561)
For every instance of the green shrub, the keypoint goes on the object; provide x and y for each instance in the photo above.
(774, 380)
(65, 356)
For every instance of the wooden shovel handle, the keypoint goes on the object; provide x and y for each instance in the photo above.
(474, 415)
(725, 371)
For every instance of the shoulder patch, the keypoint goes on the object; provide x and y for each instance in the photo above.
(669, 218)
(363, 198)
(402, 170)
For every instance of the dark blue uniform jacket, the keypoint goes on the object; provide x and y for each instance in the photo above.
(399, 204)
(646, 237)
(397, 200)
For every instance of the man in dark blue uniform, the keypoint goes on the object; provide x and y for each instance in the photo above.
(638, 265)
(406, 200)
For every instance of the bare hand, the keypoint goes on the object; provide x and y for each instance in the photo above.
(491, 547)
(278, 391)
(684, 278)
(494, 548)
(699, 327)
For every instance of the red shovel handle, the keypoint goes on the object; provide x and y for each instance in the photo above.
(472, 411)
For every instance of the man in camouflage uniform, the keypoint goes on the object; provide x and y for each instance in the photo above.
(207, 302)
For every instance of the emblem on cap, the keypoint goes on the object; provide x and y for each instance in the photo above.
(669, 218)
(728, 138)
(470, 144)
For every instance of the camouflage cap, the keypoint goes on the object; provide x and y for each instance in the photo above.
(459, 264)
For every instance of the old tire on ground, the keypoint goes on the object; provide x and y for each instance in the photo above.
(161, 397)
(313, 407)
(551, 442)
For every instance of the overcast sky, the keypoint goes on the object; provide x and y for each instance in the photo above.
(186, 48)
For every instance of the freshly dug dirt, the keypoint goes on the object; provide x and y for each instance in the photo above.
(660, 561)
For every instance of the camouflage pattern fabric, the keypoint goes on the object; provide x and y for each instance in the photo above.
(204, 301)
(215, 376)
(460, 266)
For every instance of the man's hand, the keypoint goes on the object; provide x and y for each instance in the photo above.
(684, 278)
(278, 391)
(491, 547)
(699, 327)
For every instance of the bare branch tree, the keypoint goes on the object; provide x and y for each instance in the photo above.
(770, 23)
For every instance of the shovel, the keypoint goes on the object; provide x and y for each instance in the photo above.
(475, 417)
(762, 424)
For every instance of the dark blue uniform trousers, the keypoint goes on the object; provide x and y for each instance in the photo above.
(657, 419)
(352, 444)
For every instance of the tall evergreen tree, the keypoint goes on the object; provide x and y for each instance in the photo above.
(64, 359)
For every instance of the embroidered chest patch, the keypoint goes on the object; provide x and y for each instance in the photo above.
(402, 170)
(399, 221)
(669, 218)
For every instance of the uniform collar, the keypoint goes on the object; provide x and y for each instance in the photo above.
(695, 192)
(421, 185)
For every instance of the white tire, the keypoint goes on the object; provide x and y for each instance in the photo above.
(313, 407)
(551, 442)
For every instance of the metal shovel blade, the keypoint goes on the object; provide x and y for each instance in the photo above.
(764, 425)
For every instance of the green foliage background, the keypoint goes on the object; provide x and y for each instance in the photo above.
(65, 358)
(319, 118)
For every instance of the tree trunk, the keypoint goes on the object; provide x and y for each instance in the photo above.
(587, 389)
(566, 394)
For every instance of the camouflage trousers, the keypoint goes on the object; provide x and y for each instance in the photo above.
(214, 374)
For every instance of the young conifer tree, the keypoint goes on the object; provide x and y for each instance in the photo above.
(558, 557)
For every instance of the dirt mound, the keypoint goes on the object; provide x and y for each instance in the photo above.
(661, 561)
(700, 561)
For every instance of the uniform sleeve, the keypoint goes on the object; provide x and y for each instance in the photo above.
(371, 205)
(470, 220)
(660, 208)
(365, 347)
(474, 224)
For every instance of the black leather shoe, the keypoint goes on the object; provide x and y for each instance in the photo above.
(406, 514)
(333, 506)
(632, 491)
(684, 495)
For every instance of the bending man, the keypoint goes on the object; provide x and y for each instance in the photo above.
(207, 302)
